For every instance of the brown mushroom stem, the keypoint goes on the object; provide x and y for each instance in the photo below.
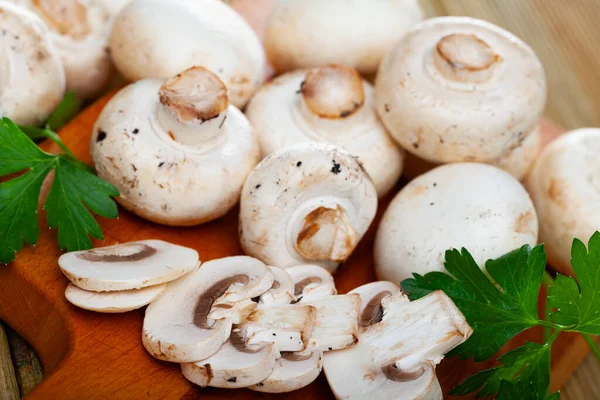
(193, 106)
(67, 17)
(465, 58)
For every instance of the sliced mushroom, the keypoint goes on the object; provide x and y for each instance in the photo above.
(372, 295)
(447, 207)
(311, 202)
(114, 6)
(395, 357)
(565, 187)
(177, 326)
(328, 104)
(233, 366)
(160, 38)
(336, 322)
(311, 282)
(176, 150)
(32, 77)
(113, 302)
(282, 290)
(309, 33)
(126, 266)
(445, 66)
(293, 371)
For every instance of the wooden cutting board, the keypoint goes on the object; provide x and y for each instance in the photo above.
(86, 355)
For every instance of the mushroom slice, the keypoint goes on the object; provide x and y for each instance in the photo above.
(126, 266)
(371, 295)
(395, 357)
(311, 202)
(336, 323)
(32, 77)
(331, 104)
(177, 326)
(282, 290)
(311, 282)
(288, 326)
(113, 302)
(293, 371)
(233, 366)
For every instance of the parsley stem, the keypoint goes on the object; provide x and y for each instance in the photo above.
(547, 281)
(593, 345)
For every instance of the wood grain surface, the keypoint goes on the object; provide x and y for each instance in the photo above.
(9, 390)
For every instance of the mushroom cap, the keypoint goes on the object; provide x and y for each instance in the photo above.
(311, 282)
(281, 117)
(233, 366)
(161, 179)
(127, 266)
(32, 76)
(292, 371)
(282, 290)
(303, 33)
(159, 38)
(455, 205)
(311, 202)
(113, 302)
(466, 71)
(177, 327)
(565, 187)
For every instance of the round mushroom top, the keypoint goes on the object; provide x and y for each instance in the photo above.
(32, 78)
(470, 205)
(565, 187)
(310, 33)
(309, 203)
(459, 89)
(329, 104)
(160, 38)
(176, 151)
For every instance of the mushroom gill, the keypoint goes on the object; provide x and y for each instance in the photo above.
(206, 300)
(373, 312)
(299, 286)
(123, 253)
(399, 375)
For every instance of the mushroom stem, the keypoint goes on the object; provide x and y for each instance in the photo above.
(193, 106)
(67, 17)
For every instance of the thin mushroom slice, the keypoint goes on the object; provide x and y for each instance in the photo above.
(113, 302)
(293, 371)
(177, 326)
(372, 296)
(233, 366)
(311, 282)
(126, 266)
(336, 323)
(281, 291)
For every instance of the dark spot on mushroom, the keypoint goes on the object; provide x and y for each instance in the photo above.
(260, 384)
(301, 87)
(233, 379)
(274, 334)
(336, 169)
(373, 312)
(299, 163)
(387, 107)
(171, 135)
(160, 164)
(416, 145)
(434, 184)
(101, 136)
(432, 203)
(134, 167)
(257, 186)
(222, 122)
(209, 373)
(105, 255)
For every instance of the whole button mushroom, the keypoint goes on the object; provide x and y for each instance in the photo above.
(311, 33)
(308, 203)
(458, 89)
(160, 38)
(176, 150)
(565, 187)
(329, 104)
(475, 206)
(79, 30)
(32, 77)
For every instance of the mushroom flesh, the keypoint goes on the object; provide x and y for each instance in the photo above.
(311, 282)
(330, 104)
(292, 371)
(113, 302)
(282, 290)
(176, 150)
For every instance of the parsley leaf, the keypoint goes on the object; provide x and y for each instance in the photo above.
(496, 314)
(522, 391)
(578, 304)
(64, 112)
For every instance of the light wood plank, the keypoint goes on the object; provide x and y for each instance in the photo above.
(8, 382)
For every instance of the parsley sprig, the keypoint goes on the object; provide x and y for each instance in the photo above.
(503, 301)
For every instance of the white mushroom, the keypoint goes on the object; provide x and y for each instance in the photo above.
(128, 266)
(327, 104)
(336, 322)
(178, 327)
(176, 150)
(311, 282)
(397, 352)
(565, 187)
(114, 6)
(292, 371)
(282, 290)
(32, 77)
(309, 33)
(79, 30)
(458, 89)
(160, 38)
(473, 205)
(311, 202)
(113, 302)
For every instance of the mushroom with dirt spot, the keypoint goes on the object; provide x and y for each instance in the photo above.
(113, 302)
(447, 75)
(451, 205)
(330, 104)
(160, 38)
(32, 76)
(311, 202)
(176, 150)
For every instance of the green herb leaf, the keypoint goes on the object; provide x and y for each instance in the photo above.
(578, 304)
(496, 314)
(522, 391)
(64, 112)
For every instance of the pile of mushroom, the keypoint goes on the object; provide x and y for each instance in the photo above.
(330, 104)
(126, 276)
(308, 203)
(176, 149)
(457, 89)
(160, 38)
